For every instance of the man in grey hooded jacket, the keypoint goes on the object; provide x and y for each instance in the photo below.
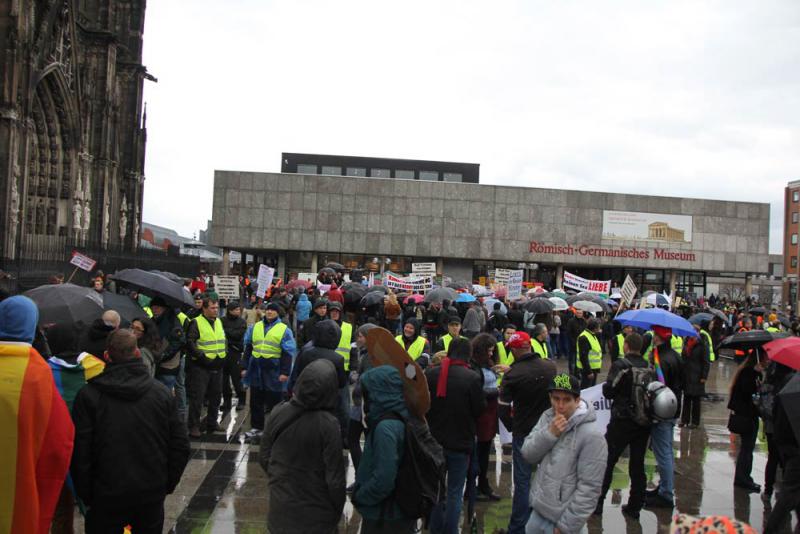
(571, 456)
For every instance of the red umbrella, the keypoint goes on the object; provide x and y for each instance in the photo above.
(416, 299)
(785, 351)
(298, 283)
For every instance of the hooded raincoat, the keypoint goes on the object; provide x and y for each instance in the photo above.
(301, 452)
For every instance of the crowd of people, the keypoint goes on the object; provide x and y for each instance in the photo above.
(301, 357)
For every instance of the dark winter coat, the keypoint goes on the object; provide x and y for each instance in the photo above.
(301, 452)
(130, 445)
(695, 367)
(746, 385)
(235, 328)
(171, 331)
(453, 419)
(325, 336)
(304, 336)
(525, 384)
(672, 366)
(517, 318)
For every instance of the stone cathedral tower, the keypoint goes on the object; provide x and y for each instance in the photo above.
(72, 126)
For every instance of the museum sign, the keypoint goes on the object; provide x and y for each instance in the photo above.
(612, 252)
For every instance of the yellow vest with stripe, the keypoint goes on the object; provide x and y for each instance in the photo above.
(621, 343)
(595, 351)
(676, 342)
(446, 339)
(267, 345)
(344, 343)
(711, 355)
(539, 348)
(416, 348)
(148, 311)
(182, 317)
(212, 340)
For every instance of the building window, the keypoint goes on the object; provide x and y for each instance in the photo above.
(356, 171)
(306, 168)
(795, 196)
(431, 176)
(453, 177)
(335, 171)
(380, 173)
(404, 175)
(794, 262)
(794, 217)
(794, 239)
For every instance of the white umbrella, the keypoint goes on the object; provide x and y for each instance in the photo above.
(587, 306)
(489, 305)
(559, 303)
(480, 291)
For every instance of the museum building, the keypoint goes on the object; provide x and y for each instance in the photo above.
(299, 222)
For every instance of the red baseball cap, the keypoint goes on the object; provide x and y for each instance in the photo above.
(519, 340)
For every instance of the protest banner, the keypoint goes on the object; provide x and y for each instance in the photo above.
(602, 406)
(308, 277)
(573, 281)
(501, 277)
(514, 284)
(423, 268)
(82, 262)
(264, 280)
(227, 287)
(418, 283)
(628, 290)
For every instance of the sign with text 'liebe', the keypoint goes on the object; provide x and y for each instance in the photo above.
(573, 281)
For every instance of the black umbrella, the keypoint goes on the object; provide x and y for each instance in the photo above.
(591, 297)
(538, 305)
(758, 310)
(785, 321)
(718, 314)
(326, 271)
(353, 295)
(352, 285)
(750, 339)
(790, 397)
(335, 266)
(123, 305)
(66, 303)
(441, 293)
(700, 318)
(460, 284)
(171, 276)
(155, 285)
(383, 290)
(371, 299)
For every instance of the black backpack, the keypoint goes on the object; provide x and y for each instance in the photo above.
(641, 411)
(420, 477)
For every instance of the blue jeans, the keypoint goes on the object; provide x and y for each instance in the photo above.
(520, 505)
(661, 440)
(554, 345)
(446, 515)
(180, 389)
(539, 525)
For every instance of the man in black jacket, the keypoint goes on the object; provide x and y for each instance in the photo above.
(130, 446)
(235, 328)
(319, 313)
(456, 402)
(203, 369)
(526, 385)
(623, 430)
(786, 439)
(661, 434)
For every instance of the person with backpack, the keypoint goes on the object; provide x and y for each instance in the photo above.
(457, 400)
(570, 453)
(374, 493)
(626, 386)
(301, 452)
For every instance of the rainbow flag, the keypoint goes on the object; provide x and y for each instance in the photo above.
(35, 443)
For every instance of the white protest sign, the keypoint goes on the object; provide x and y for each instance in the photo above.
(227, 287)
(501, 277)
(408, 283)
(423, 268)
(264, 280)
(602, 406)
(82, 262)
(308, 277)
(573, 281)
(515, 284)
(628, 290)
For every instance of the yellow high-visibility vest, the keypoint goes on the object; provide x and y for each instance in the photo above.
(182, 317)
(595, 351)
(621, 343)
(267, 345)
(711, 355)
(676, 342)
(212, 340)
(344, 344)
(416, 348)
(539, 348)
(504, 357)
(446, 339)
(148, 311)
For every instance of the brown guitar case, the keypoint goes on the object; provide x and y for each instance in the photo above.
(383, 349)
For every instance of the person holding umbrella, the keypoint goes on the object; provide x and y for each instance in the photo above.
(589, 354)
(696, 366)
(206, 348)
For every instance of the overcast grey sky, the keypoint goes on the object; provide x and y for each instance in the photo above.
(682, 98)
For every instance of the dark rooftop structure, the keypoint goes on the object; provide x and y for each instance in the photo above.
(404, 169)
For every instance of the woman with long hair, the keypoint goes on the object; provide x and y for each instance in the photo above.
(744, 419)
(149, 342)
(483, 346)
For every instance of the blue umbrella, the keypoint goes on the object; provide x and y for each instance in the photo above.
(645, 319)
(465, 297)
